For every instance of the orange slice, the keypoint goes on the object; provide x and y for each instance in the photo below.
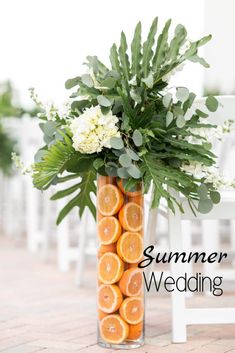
(114, 329)
(130, 247)
(110, 268)
(131, 217)
(135, 331)
(109, 298)
(101, 314)
(132, 310)
(109, 230)
(110, 200)
(131, 283)
(139, 199)
(106, 248)
(136, 192)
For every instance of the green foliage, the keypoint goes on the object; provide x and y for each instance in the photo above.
(84, 189)
(7, 145)
(53, 163)
(155, 132)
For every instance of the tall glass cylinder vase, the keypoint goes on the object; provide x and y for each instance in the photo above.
(120, 292)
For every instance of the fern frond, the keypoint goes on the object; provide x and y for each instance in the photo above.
(53, 163)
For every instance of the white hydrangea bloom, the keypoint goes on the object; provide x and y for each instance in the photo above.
(92, 130)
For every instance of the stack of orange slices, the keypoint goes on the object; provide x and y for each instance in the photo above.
(120, 232)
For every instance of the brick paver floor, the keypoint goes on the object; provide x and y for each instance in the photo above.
(41, 310)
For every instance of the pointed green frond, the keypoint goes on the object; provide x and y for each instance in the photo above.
(136, 51)
(85, 188)
(161, 47)
(114, 58)
(124, 60)
(147, 48)
(53, 163)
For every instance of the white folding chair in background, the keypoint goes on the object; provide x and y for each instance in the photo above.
(180, 241)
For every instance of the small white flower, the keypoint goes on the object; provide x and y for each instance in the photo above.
(209, 134)
(49, 109)
(210, 174)
(19, 164)
(92, 130)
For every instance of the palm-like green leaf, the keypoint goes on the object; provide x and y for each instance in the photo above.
(53, 163)
(124, 60)
(114, 59)
(136, 51)
(147, 48)
(161, 46)
(85, 188)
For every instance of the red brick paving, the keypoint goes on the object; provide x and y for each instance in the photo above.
(41, 310)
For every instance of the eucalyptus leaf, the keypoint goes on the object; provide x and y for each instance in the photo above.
(136, 95)
(87, 80)
(166, 100)
(148, 80)
(134, 156)
(103, 101)
(117, 143)
(178, 111)
(111, 169)
(212, 103)
(182, 94)
(125, 160)
(215, 197)
(205, 206)
(98, 163)
(39, 155)
(109, 82)
(134, 171)
(180, 121)
(122, 173)
(169, 118)
(49, 128)
(137, 138)
(202, 192)
(118, 153)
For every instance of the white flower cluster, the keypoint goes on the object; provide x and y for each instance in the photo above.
(209, 134)
(19, 164)
(210, 174)
(92, 130)
(49, 109)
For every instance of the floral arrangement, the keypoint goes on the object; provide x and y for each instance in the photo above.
(124, 120)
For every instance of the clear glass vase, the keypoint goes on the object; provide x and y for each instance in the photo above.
(120, 291)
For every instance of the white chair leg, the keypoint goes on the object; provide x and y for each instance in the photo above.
(187, 246)
(63, 241)
(232, 237)
(179, 333)
(31, 217)
(46, 231)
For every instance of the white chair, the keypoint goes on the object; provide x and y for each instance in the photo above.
(182, 316)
